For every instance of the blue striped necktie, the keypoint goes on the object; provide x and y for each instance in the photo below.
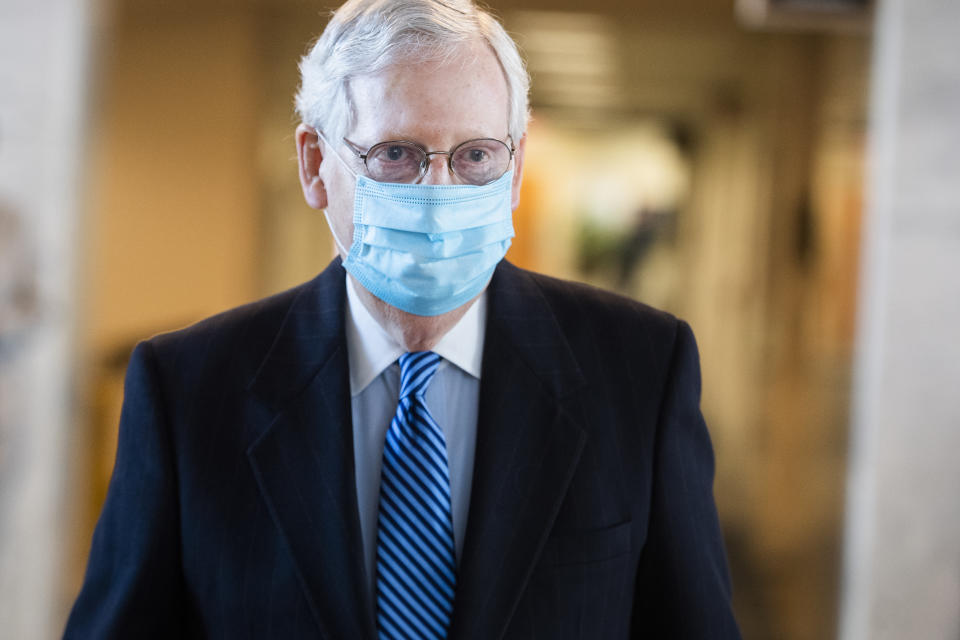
(416, 567)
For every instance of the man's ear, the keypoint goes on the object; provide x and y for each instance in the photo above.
(309, 157)
(517, 172)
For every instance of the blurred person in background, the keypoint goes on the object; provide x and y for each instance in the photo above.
(424, 441)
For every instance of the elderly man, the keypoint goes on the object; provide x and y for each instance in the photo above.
(424, 441)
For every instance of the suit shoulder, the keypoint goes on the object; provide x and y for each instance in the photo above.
(228, 346)
(254, 318)
(588, 303)
(604, 331)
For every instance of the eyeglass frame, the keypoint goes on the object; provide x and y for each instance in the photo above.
(424, 166)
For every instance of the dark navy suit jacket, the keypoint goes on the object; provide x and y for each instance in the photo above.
(232, 510)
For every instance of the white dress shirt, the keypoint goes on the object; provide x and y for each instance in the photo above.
(452, 398)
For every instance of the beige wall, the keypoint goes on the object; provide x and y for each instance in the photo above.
(173, 229)
(175, 192)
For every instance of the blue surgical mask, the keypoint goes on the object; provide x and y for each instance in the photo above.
(427, 249)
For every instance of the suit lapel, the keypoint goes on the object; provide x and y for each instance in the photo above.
(527, 450)
(304, 463)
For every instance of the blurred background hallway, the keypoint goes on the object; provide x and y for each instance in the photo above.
(783, 174)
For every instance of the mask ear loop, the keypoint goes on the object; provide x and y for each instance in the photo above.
(326, 215)
(334, 234)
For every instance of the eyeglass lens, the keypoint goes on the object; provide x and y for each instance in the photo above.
(474, 161)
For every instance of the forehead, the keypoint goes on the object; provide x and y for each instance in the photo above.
(437, 102)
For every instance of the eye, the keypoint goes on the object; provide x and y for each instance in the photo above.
(481, 161)
(477, 155)
(480, 152)
(395, 153)
(394, 161)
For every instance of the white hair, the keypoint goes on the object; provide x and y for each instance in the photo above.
(368, 36)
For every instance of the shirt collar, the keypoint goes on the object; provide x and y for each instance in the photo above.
(370, 349)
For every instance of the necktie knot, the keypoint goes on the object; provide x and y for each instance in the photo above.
(416, 371)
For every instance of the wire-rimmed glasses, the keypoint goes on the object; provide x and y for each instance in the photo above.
(477, 162)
